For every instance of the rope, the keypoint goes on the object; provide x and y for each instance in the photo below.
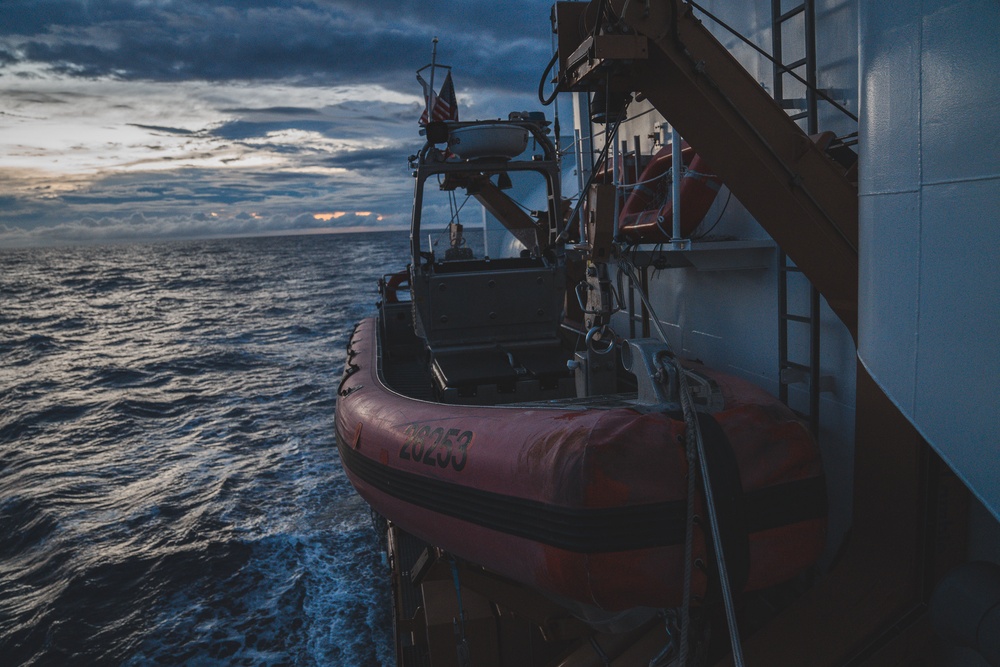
(694, 431)
(685, 173)
(660, 659)
(654, 179)
(690, 451)
(695, 453)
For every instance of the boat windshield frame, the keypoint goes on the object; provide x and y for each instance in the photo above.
(430, 162)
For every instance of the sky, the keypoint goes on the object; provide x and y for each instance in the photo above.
(146, 119)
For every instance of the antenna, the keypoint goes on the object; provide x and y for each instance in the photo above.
(431, 101)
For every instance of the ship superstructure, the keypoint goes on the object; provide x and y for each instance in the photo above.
(801, 195)
(848, 138)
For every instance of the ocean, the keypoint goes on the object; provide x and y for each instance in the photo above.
(170, 490)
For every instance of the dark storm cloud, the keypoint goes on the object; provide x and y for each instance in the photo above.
(277, 111)
(160, 128)
(244, 129)
(332, 42)
(345, 120)
(374, 159)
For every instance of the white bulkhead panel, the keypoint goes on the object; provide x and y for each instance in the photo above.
(930, 224)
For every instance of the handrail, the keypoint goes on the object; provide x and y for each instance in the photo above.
(798, 194)
(787, 68)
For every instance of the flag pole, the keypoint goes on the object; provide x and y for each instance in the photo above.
(432, 98)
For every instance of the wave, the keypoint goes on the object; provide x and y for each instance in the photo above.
(170, 492)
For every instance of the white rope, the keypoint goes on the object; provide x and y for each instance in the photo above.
(691, 453)
(685, 173)
(695, 449)
(691, 420)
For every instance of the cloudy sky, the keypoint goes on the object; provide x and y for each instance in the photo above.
(177, 118)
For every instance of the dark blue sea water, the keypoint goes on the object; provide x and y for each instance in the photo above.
(170, 491)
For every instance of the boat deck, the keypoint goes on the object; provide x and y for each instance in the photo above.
(409, 377)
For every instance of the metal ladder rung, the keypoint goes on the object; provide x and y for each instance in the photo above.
(790, 372)
(795, 366)
(795, 374)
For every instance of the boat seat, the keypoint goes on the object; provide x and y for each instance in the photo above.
(543, 361)
(528, 370)
(467, 368)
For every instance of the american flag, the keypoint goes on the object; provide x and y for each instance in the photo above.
(443, 106)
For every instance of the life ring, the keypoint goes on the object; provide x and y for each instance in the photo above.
(641, 222)
(396, 281)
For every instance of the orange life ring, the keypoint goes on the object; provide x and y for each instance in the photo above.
(641, 222)
(396, 281)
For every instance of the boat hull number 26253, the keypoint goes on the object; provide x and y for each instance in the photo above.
(436, 446)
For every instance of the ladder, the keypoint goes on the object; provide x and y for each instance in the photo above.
(790, 371)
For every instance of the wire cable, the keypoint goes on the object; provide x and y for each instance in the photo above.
(546, 101)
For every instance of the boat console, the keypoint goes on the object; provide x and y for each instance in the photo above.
(489, 320)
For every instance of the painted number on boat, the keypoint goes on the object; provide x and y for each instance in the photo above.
(436, 446)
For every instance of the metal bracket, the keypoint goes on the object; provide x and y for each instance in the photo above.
(649, 360)
(599, 51)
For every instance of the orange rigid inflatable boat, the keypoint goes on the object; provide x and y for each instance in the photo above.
(584, 502)
(490, 411)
